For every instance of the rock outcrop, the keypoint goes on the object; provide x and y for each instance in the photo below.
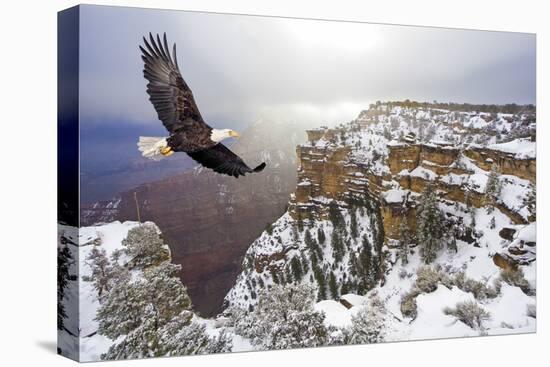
(329, 170)
(359, 189)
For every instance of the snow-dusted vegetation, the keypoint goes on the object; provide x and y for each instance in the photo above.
(448, 247)
(132, 303)
(413, 221)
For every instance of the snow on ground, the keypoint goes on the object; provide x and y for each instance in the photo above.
(92, 345)
(395, 195)
(521, 148)
(80, 319)
(336, 313)
(432, 323)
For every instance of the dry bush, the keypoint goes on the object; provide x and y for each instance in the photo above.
(470, 313)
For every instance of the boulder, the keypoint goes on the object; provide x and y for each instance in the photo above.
(504, 262)
(507, 233)
(345, 303)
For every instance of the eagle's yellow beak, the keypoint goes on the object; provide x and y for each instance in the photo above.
(234, 134)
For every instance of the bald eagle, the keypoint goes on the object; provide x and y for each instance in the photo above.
(176, 108)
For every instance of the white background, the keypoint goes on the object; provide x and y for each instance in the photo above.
(28, 181)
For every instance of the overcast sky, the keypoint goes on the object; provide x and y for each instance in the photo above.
(241, 68)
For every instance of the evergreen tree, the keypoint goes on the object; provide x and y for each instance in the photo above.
(369, 324)
(100, 267)
(300, 224)
(321, 282)
(145, 246)
(387, 133)
(296, 268)
(182, 339)
(137, 309)
(269, 228)
(353, 222)
(305, 263)
(473, 212)
(430, 225)
(64, 259)
(285, 318)
(492, 223)
(288, 275)
(366, 266)
(321, 235)
(352, 265)
(493, 188)
(453, 233)
(346, 287)
(295, 233)
(312, 245)
(274, 276)
(530, 201)
(404, 233)
(336, 217)
(333, 286)
(159, 295)
(338, 248)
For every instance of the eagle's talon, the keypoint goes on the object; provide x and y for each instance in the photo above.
(166, 151)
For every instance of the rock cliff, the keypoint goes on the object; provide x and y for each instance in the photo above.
(371, 172)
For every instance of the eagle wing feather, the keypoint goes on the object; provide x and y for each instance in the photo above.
(172, 98)
(222, 160)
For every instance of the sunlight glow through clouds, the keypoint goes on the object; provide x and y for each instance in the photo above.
(343, 36)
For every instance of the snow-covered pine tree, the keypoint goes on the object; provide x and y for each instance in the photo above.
(333, 285)
(321, 282)
(366, 267)
(145, 246)
(153, 315)
(530, 201)
(405, 238)
(285, 318)
(473, 223)
(159, 294)
(336, 217)
(493, 188)
(64, 259)
(337, 243)
(181, 338)
(430, 225)
(369, 324)
(321, 234)
(353, 221)
(452, 236)
(387, 133)
(296, 268)
(100, 266)
(312, 244)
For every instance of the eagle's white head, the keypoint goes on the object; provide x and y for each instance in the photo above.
(219, 135)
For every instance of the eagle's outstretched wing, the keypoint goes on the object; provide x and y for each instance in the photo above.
(222, 160)
(170, 95)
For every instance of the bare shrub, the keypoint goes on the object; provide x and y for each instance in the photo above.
(515, 278)
(427, 279)
(478, 288)
(470, 313)
(408, 303)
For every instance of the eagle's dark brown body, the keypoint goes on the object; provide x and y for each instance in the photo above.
(181, 141)
(176, 108)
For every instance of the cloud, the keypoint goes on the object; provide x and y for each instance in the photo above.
(244, 67)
